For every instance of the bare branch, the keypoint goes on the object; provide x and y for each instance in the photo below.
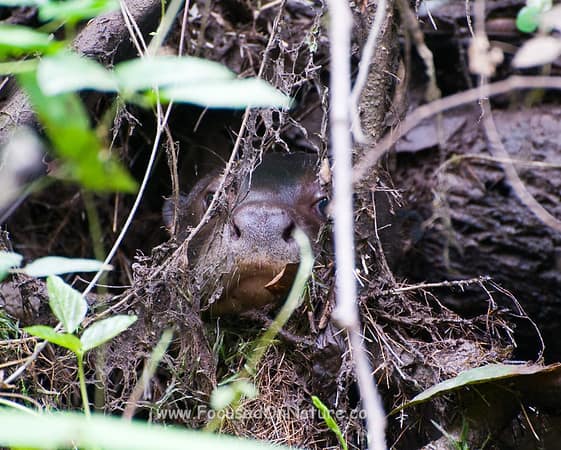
(346, 312)
(369, 160)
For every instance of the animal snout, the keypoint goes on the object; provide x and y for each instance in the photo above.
(264, 229)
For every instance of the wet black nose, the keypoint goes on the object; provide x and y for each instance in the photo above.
(263, 228)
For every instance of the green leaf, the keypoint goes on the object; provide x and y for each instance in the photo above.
(528, 19)
(329, 420)
(251, 92)
(110, 433)
(68, 72)
(17, 40)
(19, 3)
(58, 113)
(104, 330)
(483, 374)
(75, 10)
(224, 396)
(542, 5)
(537, 51)
(7, 261)
(65, 340)
(56, 265)
(67, 124)
(102, 172)
(159, 71)
(67, 304)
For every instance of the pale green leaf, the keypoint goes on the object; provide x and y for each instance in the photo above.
(56, 265)
(104, 330)
(75, 10)
(222, 397)
(251, 92)
(537, 51)
(7, 261)
(63, 430)
(67, 304)
(20, 3)
(68, 72)
(65, 340)
(17, 40)
(159, 71)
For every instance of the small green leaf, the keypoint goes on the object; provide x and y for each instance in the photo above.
(75, 10)
(226, 395)
(17, 40)
(67, 304)
(7, 261)
(222, 397)
(537, 51)
(104, 330)
(159, 71)
(68, 126)
(247, 389)
(19, 3)
(65, 340)
(329, 420)
(528, 19)
(251, 92)
(56, 265)
(68, 72)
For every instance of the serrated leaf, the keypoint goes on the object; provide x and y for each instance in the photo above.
(65, 340)
(537, 51)
(7, 261)
(104, 330)
(70, 72)
(67, 304)
(75, 10)
(159, 71)
(56, 265)
(17, 40)
(234, 94)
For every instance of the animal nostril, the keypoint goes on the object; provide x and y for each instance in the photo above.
(287, 233)
(236, 231)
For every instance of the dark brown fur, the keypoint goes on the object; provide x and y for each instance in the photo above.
(254, 239)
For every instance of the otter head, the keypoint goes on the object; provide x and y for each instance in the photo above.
(254, 237)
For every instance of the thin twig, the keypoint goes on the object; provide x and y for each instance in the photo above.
(456, 283)
(369, 160)
(346, 312)
(364, 68)
(496, 146)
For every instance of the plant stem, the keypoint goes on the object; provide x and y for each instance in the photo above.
(82, 380)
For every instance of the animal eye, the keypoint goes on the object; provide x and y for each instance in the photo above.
(321, 206)
(208, 198)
